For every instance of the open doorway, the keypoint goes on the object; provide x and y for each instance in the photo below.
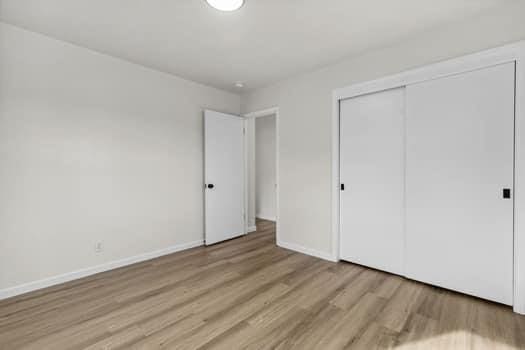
(262, 150)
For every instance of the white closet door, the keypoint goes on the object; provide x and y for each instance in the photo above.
(372, 171)
(460, 144)
(224, 176)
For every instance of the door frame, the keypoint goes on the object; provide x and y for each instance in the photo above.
(252, 115)
(505, 54)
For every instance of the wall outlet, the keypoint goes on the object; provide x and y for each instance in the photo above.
(98, 247)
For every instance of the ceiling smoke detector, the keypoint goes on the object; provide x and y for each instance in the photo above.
(226, 5)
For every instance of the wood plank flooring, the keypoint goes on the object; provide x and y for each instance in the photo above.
(248, 293)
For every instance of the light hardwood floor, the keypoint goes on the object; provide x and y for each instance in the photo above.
(248, 293)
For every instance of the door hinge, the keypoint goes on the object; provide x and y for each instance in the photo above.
(244, 131)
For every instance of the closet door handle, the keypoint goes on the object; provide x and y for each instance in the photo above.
(210, 186)
(506, 193)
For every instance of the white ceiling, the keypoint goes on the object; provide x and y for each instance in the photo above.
(264, 42)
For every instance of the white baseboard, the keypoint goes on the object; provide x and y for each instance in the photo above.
(70, 276)
(519, 308)
(307, 251)
(251, 229)
(265, 217)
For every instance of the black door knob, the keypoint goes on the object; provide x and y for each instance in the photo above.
(210, 186)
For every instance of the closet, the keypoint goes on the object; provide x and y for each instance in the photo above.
(428, 175)
(372, 171)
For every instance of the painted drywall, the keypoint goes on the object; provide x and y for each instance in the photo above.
(265, 168)
(94, 149)
(305, 104)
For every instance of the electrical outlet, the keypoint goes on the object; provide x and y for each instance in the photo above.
(98, 247)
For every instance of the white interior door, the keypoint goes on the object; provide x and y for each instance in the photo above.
(224, 176)
(372, 170)
(460, 144)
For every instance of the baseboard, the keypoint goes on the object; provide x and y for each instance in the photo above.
(265, 217)
(51, 281)
(251, 229)
(307, 251)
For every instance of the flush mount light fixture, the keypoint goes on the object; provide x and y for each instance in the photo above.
(239, 84)
(226, 5)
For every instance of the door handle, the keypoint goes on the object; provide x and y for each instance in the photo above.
(210, 186)
(506, 193)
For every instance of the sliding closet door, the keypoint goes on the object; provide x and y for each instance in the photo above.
(372, 171)
(460, 141)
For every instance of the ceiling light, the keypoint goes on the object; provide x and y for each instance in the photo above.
(226, 5)
(239, 84)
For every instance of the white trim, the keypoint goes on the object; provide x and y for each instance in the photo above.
(453, 66)
(265, 217)
(258, 114)
(246, 180)
(519, 194)
(509, 53)
(336, 183)
(70, 276)
(262, 113)
(251, 229)
(307, 251)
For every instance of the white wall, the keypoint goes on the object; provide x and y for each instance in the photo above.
(93, 148)
(265, 167)
(305, 105)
